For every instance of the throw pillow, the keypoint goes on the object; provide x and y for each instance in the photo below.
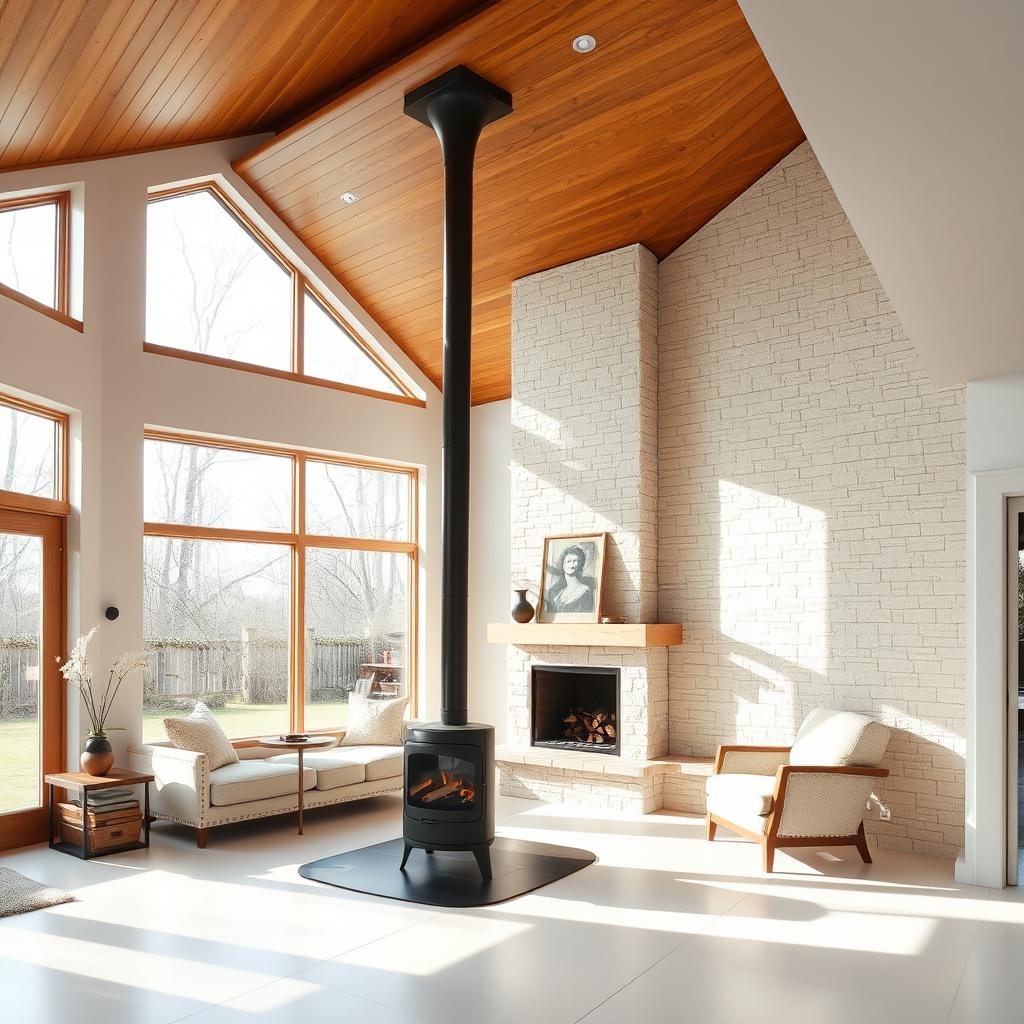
(375, 722)
(202, 733)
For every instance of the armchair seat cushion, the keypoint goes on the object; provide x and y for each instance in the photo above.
(331, 769)
(745, 800)
(243, 781)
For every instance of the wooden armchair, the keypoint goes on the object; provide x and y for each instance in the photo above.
(813, 793)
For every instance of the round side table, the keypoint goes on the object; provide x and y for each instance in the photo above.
(309, 743)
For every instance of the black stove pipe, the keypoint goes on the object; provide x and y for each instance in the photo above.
(457, 105)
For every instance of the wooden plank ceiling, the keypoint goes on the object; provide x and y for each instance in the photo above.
(83, 78)
(672, 117)
(645, 139)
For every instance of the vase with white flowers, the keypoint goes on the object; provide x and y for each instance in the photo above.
(98, 757)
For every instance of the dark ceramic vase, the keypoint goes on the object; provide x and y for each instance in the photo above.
(98, 757)
(522, 610)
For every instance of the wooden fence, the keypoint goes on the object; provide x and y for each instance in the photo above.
(254, 669)
(250, 670)
(19, 677)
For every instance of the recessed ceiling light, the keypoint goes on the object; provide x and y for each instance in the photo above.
(349, 197)
(584, 44)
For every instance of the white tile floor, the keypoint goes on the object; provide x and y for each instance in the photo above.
(664, 928)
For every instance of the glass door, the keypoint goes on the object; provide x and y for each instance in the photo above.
(31, 695)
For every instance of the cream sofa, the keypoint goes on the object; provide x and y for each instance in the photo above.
(263, 782)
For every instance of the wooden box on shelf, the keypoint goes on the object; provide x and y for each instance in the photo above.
(107, 829)
(118, 824)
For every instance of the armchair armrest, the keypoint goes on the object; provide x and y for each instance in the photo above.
(821, 800)
(744, 759)
(182, 788)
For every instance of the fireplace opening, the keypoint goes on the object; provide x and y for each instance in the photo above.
(441, 783)
(575, 708)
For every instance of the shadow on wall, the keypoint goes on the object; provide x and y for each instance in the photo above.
(775, 629)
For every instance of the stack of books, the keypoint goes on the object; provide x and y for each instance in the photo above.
(115, 818)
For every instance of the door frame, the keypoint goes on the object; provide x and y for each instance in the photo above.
(1014, 510)
(27, 827)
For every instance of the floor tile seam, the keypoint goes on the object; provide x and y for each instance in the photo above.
(688, 938)
(967, 958)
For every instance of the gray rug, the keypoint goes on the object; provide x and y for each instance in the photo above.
(19, 895)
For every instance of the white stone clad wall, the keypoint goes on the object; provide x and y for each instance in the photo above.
(812, 509)
(584, 448)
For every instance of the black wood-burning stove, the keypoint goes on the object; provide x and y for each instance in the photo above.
(449, 765)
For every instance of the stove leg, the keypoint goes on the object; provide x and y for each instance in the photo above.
(405, 857)
(483, 861)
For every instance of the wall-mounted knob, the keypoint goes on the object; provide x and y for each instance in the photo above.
(112, 613)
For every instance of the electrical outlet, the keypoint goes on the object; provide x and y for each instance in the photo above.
(884, 814)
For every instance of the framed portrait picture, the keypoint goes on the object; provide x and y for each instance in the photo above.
(571, 576)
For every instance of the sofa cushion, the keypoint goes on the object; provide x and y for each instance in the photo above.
(839, 738)
(373, 721)
(740, 797)
(332, 770)
(201, 732)
(256, 780)
(379, 762)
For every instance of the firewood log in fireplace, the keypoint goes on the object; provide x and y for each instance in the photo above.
(594, 726)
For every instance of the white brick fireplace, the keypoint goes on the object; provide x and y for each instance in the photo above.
(585, 459)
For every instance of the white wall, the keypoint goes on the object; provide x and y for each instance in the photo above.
(812, 509)
(114, 390)
(914, 109)
(995, 423)
(490, 554)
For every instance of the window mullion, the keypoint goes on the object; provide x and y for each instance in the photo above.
(298, 323)
(298, 683)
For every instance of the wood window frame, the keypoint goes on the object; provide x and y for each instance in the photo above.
(300, 541)
(301, 284)
(15, 505)
(61, 311)
(60, 504)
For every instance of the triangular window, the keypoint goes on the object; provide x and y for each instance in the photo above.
(333, 354)
(217, 288)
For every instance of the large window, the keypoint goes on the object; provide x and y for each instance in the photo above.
(34, 254)
(219, 291)
(276, 583)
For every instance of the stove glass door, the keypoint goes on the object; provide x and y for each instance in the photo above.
(441, 782)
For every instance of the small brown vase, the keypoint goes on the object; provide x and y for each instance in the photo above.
(522, 610)
(98, 757)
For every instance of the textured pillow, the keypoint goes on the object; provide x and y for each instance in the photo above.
(375, 722)
(839, 738)
(202, 733)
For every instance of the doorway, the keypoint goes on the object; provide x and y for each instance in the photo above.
(31, 688)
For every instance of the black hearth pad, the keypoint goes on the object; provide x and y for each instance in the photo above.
(446, 879)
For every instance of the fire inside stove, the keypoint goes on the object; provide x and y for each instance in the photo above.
(444, 783)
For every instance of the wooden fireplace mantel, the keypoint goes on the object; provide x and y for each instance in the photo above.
(586, 634)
